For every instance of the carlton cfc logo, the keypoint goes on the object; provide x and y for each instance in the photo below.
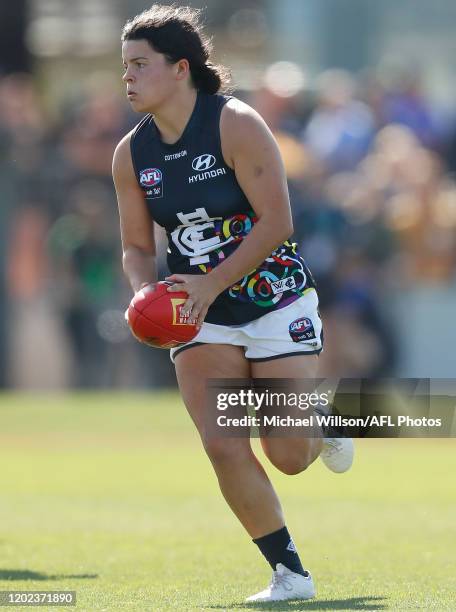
(203, 162)
(150, 177)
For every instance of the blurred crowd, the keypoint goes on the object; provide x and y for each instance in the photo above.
(369, 163)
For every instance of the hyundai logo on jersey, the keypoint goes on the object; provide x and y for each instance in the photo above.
(301, 329)
(203, 162)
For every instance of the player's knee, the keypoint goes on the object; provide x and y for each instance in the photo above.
(292, 465)
(290, 462)
(224, 450)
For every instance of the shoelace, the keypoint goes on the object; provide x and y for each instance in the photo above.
(331, 447)
(280, 580)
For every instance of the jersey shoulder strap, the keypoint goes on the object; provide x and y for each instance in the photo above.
(140, 140)
(208, 121)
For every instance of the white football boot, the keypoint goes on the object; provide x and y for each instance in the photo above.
(286, 584)
(337, 454)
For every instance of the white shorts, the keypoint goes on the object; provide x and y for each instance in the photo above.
(295, 329)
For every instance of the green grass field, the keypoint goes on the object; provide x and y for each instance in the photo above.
(110, 495)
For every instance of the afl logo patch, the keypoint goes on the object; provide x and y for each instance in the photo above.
(203, 162)
(150, 177)
(151, 180)
(301, 329)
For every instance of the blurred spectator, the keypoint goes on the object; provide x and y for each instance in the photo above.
(86, 272)
(98, 122)
(32, 332)
(341, 128)
(405, 103)
(373, 204)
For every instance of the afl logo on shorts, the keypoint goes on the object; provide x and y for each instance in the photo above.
(301, 329)
(150, 177)
(203, 162)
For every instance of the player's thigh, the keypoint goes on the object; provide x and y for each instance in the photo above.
(296, 366)
(194, 366)
(281, 445)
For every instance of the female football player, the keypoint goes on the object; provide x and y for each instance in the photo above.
(206, 167)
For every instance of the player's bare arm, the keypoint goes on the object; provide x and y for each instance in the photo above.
(249, 148)
(136, 225)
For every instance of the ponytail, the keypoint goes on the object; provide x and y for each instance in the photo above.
(209, 78)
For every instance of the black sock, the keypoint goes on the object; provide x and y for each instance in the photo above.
(278, 547)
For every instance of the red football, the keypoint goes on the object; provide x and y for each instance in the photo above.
(155, 318)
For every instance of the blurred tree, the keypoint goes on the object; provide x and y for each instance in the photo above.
(14, 55)
(350, 31)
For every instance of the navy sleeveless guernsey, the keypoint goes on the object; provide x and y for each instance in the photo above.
(194, 195)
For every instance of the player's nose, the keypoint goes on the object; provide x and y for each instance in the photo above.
(127, 76)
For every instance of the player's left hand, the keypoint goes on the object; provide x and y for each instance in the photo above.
(202, 291)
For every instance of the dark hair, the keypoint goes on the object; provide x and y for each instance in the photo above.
(176, 32)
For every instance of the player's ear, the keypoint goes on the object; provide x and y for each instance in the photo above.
(182, 69)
